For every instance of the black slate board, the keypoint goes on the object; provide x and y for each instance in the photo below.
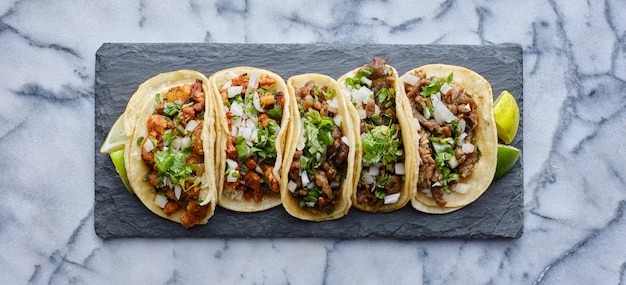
(121, 68)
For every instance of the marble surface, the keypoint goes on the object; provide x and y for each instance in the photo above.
(574, 126)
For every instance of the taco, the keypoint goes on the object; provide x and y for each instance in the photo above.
(319, 161)
(170, 145)
(253, 113)
(456, 138)
(384, 157)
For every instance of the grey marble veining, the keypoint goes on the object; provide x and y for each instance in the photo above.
(574, 127)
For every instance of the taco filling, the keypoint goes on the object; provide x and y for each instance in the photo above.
(254, 109)
(173, 151)
(448, 118)
(320, 161)
(373, 95)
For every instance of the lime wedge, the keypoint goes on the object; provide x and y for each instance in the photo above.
(115, 138)
(507, 157)
(506, 114)
(118, 161)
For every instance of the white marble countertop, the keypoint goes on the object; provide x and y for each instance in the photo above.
(574, 127)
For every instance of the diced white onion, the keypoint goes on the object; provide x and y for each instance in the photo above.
(332, 105)
(439, 147)
(461, 188)
(236, 109)
(427, 192)
(369, 179)
(442, 114)
(453, 163)
(253, 83)
(362, 95)
(461, 126)
(291, 186)
(467, 148)
(374, 170)
(177, 191)
(310, 185)
(228, 84)
(233, 91)
(230, 178)
(148, 146)
(399, 168)
(376, 109)
(410, 79)
(176, 143)
(468, 108)
(256, 101)
(191, 125)
(444, 88)
(426, 113)
(258, 169)
(366, 81)
(231, 164)
(362, 114)
(337, 119)
(390, 199)
(345, 140)
(461, 139)
(305, 178)
(160, 200)
(184, 142)
(335, 184)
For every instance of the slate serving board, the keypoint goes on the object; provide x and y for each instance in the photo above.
(121, 68)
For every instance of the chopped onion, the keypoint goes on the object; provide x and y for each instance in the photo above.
(256, 101)
(231, 164)
(390, 199)
(366, 81)
(362, 114)
(426, 113)
(148, 146)
(374, 170)
(258, 169)
(291, 186)
(369, 179)
(230, 178)
(442, 114)
(337, 119)
(439, 147)
(410, 79)
(453, 163)
(228, 84)
(399, 168)
(160, 200)
(461, 188)
(345, 140)
(236, 109)
(233, 91)
(362, 95)
(427, 192)
(444, 88)
(332, 105)
(305, 178)
(376, 109)
(335, 184)
(467, 148)
(468, 108)
(177, 191)
(184, 142)
(176, 143)
(191, 125)
(461, 139)
(253, 83)
(461, 126)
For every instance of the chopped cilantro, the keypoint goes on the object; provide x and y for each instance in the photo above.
(381, 144)
(355, 82)
(276, 112)
(173, 165)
